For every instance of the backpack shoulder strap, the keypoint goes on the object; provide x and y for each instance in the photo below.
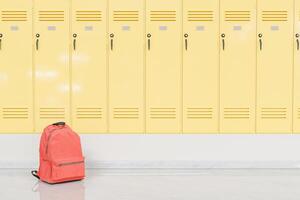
(34, 173)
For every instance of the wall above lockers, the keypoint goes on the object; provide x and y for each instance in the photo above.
(150, 66)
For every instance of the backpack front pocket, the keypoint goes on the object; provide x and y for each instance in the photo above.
(68, 170)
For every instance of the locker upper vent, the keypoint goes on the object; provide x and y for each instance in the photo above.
(199, 113)
(89, 113)
(273, 113)
(88, 15)
(275, 16)
(163, 15)
(237, 16)
(163, 113)
(126, 113)
(200, 16)
(52, 113)
(236, 113)
(14, 16)
(15, 113)
(52, 15)
(125, 16)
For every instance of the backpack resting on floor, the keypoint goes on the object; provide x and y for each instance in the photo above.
(61, 158)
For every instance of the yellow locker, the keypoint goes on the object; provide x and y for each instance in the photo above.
(89, 66)
(296, 109)
(51, 62)
(16, 102)
(274, 66)
(163, 66)
(200, 71)
(126, 66)
(237, 66)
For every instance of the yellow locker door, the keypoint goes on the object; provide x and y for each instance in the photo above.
(51, 61)
(89, 66)
(296, 111)
(237, 66)
(274, 66)
(16, 100)
(126, 66)
(200, 66)
(163, 66)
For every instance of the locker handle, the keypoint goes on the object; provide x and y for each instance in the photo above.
(297, 36)
(223, 41)
(260, 41)
(149, 41)
(1, 35)
(37, 41)
(186, 41)
(112, 41)
(74, 41)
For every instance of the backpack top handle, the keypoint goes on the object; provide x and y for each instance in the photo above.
(59, 124)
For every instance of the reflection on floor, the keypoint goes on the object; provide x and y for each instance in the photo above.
(157, 185)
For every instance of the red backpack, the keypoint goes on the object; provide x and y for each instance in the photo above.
(61, 158)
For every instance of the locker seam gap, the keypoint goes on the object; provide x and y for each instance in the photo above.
(181, 57)
(256, 70)
(293, 69)
(219, 72)
(107, 69)
(70, 65)
(144, 74)
(33, 68)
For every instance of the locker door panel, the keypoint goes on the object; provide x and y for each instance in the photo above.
(200, 66)
(163, 66)
(237, 66)
(89, 66)
(126, 66)
(274, 66)
(51, 60)
(296, 111)
(16, 67)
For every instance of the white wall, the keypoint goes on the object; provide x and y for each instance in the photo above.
(167, 151)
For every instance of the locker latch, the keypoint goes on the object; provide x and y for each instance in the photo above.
(1, 35)
(260, 41)
(297, 40)
(112, 41)
(223, 41)
(186, 41)
(37, 41)
(74, 41)
(149, 41)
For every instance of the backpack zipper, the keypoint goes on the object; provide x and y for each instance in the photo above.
(70, 163)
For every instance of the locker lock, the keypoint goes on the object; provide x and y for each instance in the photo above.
(74, 35)
(1, 35)
(260, 35)
(148, 35)
(186, 35)
(111, 35)
(222, 35)
(37, 35)
(297, 35)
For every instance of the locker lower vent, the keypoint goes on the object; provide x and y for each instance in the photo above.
(275, 16)
(163, 16)
(237, 16)
(163, 113)
(88, 15)
(14, 16)
(52, 15)
(200, 16)
(236, 113)
(199, 113)
(15, 113)
(126, 113)
(273, 113)
(52, 113)
(125, 16)
(89, 113)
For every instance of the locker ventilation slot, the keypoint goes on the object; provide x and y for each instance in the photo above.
(52, 113)
(236, 113)
(273, 113)
(200, 16)
(199, 113)
(126, 16)
(163, 113)
(237, 16)
(126, 113)
(51, 16)
(15, 113)
(88, 15)
(14, 16)
(163, 16)
(89, 113)
(275, 16)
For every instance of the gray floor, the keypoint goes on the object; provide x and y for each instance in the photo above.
(157, 185)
